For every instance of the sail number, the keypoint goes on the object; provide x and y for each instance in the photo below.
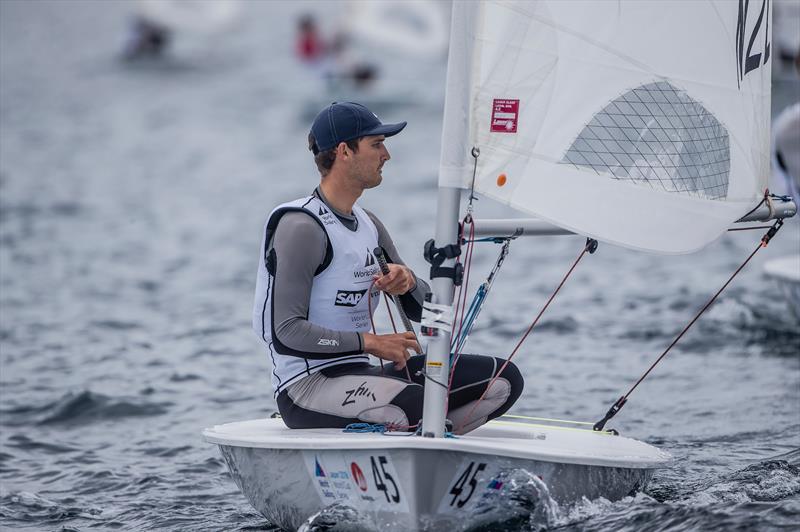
(467, 479)
(382, 478)
(747, 60)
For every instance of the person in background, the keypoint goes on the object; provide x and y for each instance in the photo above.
(310, 47)
(318, 283)
(146, 40)
(331, 59)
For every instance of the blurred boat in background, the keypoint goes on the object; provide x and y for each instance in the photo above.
(156, 22)
(786, 175)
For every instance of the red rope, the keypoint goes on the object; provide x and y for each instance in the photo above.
(389, 310)
(391, 318)
(524, 337)
(464, 289)
(617, 406)
(705, 307)
(461, 287)
(371, 321)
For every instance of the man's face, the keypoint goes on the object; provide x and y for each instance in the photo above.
(368, 161)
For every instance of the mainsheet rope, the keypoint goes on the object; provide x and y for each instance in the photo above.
(372, 322)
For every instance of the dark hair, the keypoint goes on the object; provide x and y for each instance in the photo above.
(325, 159)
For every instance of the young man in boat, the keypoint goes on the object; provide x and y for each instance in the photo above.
(316, 276)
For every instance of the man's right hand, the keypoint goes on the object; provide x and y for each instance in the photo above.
(391, 347)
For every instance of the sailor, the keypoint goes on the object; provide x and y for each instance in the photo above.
(310, 47)
(318, 280)
(332, 59)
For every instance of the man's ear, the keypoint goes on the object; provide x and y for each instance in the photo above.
(342, 151)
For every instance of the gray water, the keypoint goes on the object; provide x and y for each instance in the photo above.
(131, 205)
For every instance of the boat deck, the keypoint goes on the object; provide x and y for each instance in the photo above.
(506, 438)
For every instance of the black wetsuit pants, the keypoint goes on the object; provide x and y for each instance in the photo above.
(356, 393)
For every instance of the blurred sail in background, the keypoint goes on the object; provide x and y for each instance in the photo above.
(155, 23)
(417, 27)
(201, 16)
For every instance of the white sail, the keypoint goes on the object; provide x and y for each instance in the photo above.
(643, 124)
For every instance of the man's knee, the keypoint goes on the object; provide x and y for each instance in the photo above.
(409, 400)
(512, 374)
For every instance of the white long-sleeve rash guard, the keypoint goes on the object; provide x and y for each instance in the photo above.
(300, 244)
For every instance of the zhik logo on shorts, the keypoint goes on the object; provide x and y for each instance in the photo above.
(349, 298)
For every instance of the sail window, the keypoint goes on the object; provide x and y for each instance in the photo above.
(656, 135)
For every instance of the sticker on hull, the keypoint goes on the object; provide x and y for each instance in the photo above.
(474, 483)
(366, 480)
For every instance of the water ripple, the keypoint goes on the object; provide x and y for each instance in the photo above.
(86, 407)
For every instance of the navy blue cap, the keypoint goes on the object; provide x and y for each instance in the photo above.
(343, 121)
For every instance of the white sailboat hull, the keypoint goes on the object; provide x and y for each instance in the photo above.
(401, 482)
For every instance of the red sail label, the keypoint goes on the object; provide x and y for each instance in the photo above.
(504, 116)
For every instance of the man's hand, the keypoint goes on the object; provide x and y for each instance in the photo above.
(398, 281)
(391, 347)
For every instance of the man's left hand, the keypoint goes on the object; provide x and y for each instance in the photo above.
(398, 281)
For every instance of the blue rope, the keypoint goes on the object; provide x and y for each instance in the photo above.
(365, 427)
(458, 343)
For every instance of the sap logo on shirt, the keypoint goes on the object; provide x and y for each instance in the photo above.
(349, 298)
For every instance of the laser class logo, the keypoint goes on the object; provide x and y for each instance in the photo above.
(349, 298)
(358, 476)
(505, 114)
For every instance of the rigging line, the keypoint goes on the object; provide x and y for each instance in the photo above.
(378, 252)
(462, 293)
(616, 407)
(749, 228)
(482, 294)
(476, 152)
(760, 203)
(457, 296)
(389, 311)
(428, 377)
(375, 332)
(590, 247)
(394, 328)
(372, 321)
(492, 239)
(454, 355)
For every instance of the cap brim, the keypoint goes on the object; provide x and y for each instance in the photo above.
(387, 130)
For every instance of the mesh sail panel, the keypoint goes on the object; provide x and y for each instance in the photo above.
(656, 135)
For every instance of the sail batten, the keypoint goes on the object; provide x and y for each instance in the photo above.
(634, 110)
